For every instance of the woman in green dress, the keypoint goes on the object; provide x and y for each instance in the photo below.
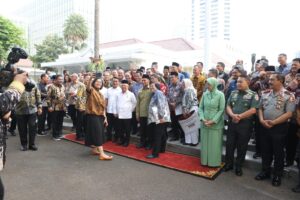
(211, 112)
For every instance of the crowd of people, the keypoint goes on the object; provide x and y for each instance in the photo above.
(115, 104)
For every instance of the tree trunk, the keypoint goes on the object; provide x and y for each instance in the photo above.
(97, 30)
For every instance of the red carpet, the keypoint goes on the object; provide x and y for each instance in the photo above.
(179, 162)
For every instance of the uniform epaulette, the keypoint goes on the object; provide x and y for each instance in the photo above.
(287, 92)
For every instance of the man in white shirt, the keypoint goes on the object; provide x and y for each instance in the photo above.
(126, 103)
(111, 109)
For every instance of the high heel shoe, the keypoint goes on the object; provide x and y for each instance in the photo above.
(103, 158)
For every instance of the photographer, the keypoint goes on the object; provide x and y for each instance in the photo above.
(8, 101)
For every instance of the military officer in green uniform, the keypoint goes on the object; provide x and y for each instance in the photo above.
(241, 108)
(26, 113)
(276, 107)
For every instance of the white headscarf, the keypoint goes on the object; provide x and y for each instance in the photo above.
(188, 84)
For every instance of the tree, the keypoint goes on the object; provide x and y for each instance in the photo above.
(51, 47)
(75, 32)
(10, 35)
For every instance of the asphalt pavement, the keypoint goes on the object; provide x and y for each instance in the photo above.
(62, 170)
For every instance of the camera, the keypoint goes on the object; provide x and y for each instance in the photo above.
(8, 72)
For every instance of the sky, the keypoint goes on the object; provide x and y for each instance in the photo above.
(264, 27)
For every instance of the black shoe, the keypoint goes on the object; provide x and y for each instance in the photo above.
(262, 176)
(151, 156)
(56, 138)
(256, 155)
(80, 138)
(173, 139)
(42, 133)
(238, 171)
(13, 133)
(33, 148)
(276, 181)
(120, 143)
(193, 145)
(73, 128)
(139, 146)
(115, 140)
(23, 148)
(125, 144)
(289, 163)
(228, 168)
(148, 147)
(296, 189)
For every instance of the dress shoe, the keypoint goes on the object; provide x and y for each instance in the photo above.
(105, 158)
(23, 148)
(33, 148)
(139, 146)
(13, 133)
(80, 138)
(148, 147)
(125, 144)
(193, 145)
(172, 139)
(151, 156)
(42, 133)
(276, 181)
(228, 168)
(120, 143)
(289, 163)
(262, 176)
(296, 189)
(256, 155)
(238, 171)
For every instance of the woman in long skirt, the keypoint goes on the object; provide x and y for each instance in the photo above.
(95, 119)
(211, 111)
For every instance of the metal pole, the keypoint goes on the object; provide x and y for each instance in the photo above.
(207, 36)
(97, 30)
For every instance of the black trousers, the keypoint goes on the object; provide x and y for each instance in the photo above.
(134, 124)
(57, 123)
(176, 128)
(298, 159)
(291, 142)
(146, 136)
(27, 126)
(124, 130)
(159, 139)
(272, 146)
(42, 119)
(238, 136)
(80, 124)
(13, 123)
(72, 113)
(1, 190)
(112, 125)
(257, 130)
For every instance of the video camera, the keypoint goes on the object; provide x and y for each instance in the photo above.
(9, 71)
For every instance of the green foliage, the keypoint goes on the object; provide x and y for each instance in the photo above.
(51, 47)
(10, 35)
(75, 32)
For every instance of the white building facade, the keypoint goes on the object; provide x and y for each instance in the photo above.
(46, 17)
